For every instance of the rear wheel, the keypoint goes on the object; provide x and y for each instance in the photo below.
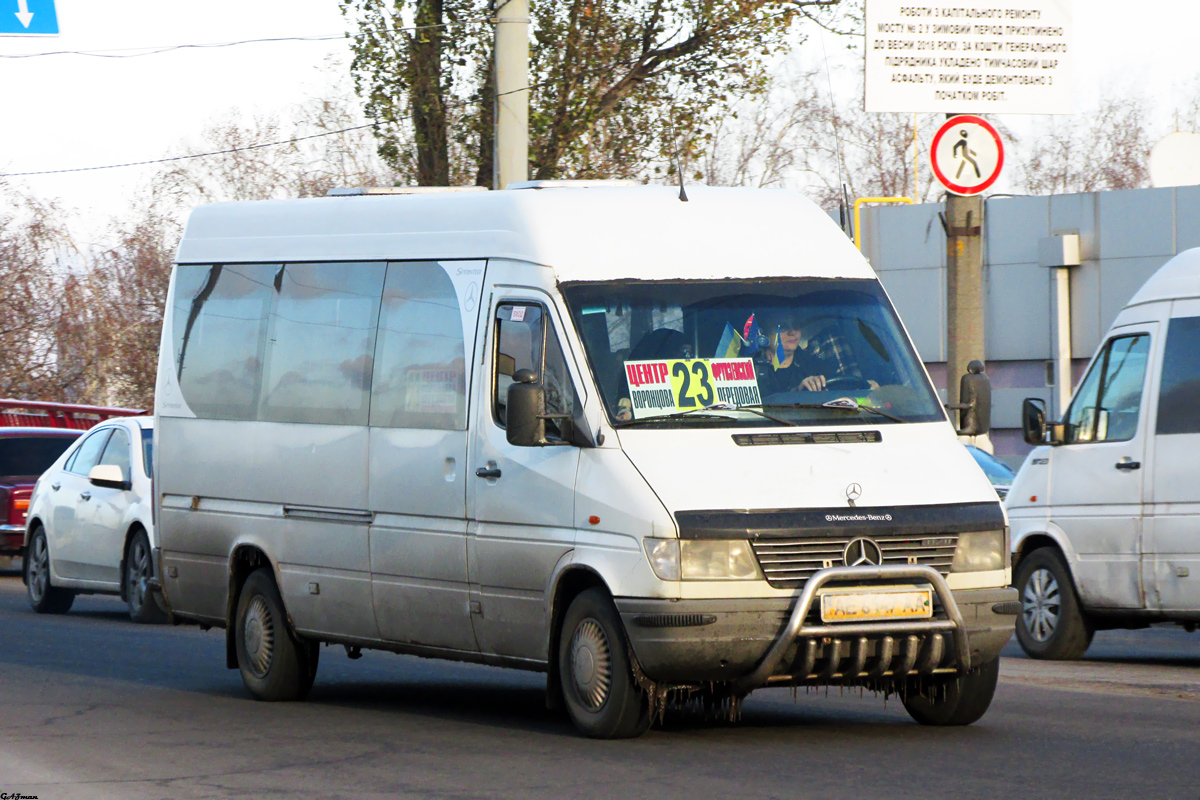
(139, 569)
(1051, 625)
(597, 678)
(955, 699)
(43, 597)
(274, 664)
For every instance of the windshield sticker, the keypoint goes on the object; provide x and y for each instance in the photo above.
(668, 386)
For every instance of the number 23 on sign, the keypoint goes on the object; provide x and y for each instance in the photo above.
(691, 383)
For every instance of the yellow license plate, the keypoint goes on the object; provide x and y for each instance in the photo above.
(883, 604)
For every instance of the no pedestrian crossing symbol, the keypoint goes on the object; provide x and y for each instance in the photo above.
(967, 154)
(28, 18)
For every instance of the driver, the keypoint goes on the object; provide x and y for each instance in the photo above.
(799, 369)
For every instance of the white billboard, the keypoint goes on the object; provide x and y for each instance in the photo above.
(970, 56)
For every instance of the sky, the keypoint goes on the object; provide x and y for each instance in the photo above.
(70, 111)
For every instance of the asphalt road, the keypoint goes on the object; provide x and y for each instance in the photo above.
(93, 706)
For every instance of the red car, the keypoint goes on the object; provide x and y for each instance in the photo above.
(32, 436)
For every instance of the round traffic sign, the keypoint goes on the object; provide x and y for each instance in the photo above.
(967, 154)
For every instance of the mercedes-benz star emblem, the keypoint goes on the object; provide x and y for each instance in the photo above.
(862, 552)
(853, 492)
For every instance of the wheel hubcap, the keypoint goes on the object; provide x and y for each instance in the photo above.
(1041, 605)
(38, 569)
(591, 663)
(258, 636)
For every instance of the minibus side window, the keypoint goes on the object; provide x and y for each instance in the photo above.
(220, 328)
(1107, 405)
(1179, 395)
(520, 341)
(420, 356)
(321, 338)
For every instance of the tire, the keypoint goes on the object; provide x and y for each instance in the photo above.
(274, 664)
(1051, 624)
(597, 679)
(44, 598)
(954, 700)
(139, 568)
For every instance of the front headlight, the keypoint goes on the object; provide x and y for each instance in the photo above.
(717, 559)
(664, 557)
(978, 551)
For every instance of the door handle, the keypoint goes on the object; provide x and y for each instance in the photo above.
(1128, 465)
(56, 486)
(85, 495)
(490, 471)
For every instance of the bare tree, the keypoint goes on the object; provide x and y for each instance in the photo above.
(35, 298)
(1108, 148)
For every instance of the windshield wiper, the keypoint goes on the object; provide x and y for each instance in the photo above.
(699, 413)
(840, 404)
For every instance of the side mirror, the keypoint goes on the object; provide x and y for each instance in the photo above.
(525, 423)
(109, 476)
(975, 401)
(1033, 420)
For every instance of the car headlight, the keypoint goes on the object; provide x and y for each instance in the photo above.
(717, 559)
(978, 551)
(702, 559)
(664, 557)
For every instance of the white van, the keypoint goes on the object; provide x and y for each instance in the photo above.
(544, 428)
(1105, 512)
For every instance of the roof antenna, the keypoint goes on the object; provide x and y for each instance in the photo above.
(683, 198)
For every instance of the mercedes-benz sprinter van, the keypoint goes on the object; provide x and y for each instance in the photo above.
(1106, 509)
(664, 450)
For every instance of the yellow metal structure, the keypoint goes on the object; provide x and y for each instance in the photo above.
(863, 200)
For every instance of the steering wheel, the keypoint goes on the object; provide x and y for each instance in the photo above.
(846, 383)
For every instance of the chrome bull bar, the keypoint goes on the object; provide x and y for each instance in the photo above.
(796, 628)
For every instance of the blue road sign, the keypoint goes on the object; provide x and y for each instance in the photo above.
(28, 17)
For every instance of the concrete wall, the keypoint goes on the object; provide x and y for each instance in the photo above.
(1124, 237)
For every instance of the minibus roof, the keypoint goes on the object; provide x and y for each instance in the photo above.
(585, 233)
(1177, 279)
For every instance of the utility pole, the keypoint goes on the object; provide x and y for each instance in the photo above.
(512, 92)
(964, 288)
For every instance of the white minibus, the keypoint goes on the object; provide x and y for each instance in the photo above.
(1106, 509)
(665, 450)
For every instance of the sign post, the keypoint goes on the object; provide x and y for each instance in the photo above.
(28, 18)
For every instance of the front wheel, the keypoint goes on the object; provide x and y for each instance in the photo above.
(597, 678)
(43, 597)
(139, 569)
(953, 700)
(1051, 624)
(274, 664)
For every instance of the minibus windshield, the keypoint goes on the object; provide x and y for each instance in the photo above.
(792, 351)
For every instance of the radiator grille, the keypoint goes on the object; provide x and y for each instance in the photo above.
(788, 563)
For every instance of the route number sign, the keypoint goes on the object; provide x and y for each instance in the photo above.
(967, 154)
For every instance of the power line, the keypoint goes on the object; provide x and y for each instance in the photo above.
(129, 52)
(188, 157)
(137, 52)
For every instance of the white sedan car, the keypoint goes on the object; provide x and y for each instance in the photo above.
(89, 529)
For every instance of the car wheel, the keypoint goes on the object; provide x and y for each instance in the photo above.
(1051, 624)
(139, 569)
(43, 597)
(953, 699)
(273, 663)
(597, 679)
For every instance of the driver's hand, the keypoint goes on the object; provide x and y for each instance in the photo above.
(813, 383)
